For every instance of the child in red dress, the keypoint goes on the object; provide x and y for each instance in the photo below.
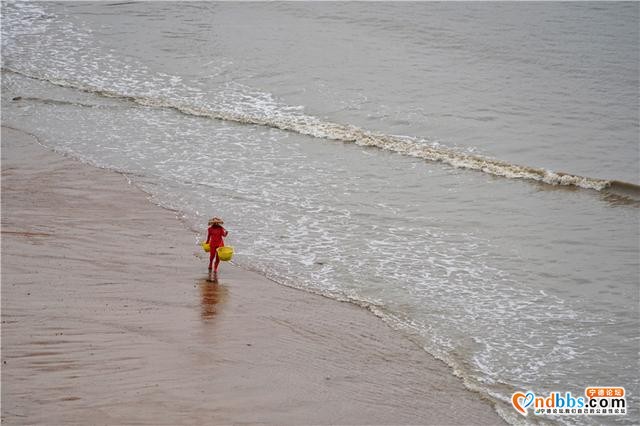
(215, 240)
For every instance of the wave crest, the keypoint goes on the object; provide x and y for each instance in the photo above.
(312, 126)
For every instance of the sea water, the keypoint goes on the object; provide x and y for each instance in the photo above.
(468, 172)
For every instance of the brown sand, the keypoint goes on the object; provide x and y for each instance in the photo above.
(108, 318)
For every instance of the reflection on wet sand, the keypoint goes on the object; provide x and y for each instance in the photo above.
(212, 293)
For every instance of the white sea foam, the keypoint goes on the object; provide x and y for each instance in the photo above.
(265, 114)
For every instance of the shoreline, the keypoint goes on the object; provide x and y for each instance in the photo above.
(120, 323)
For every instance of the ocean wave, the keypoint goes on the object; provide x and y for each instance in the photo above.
(410, 146)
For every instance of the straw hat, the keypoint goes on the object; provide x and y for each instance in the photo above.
(215, 221)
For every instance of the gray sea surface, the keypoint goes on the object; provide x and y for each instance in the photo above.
(467, 171)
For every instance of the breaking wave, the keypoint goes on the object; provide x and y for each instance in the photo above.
(312, 126)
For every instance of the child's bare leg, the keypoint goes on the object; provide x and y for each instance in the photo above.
(215, 269)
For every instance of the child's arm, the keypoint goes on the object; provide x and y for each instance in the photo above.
(224, 232)
(208, 236)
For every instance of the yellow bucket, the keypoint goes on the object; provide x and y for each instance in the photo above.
(206, 247)
(225, 253)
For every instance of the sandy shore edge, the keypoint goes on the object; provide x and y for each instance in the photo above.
(108, 317)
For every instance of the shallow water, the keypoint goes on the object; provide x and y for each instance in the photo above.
(249, 113)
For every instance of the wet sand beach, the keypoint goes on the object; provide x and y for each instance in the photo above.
(109, 317)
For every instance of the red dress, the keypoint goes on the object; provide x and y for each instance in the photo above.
(214, 237)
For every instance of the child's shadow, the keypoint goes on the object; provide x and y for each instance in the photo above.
(212, 295)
